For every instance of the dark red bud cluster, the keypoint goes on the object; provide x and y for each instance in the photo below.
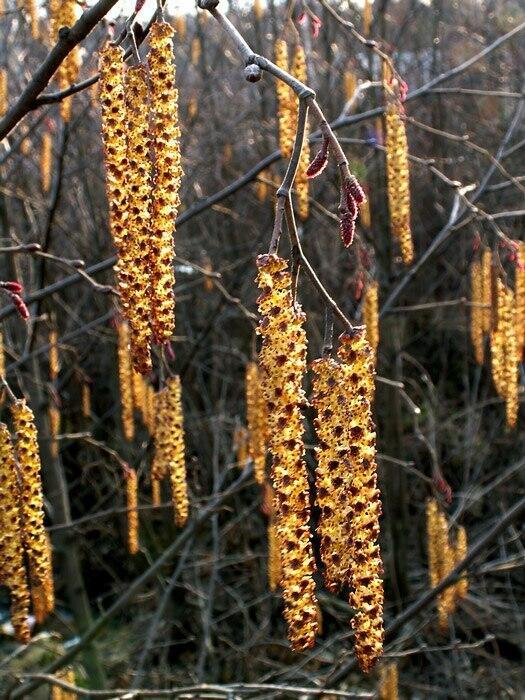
(14, 287)
(20, 305)
(352, 195)
(320, 161)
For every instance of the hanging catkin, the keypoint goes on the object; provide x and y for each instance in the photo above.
(166, 181)
(274, 556)
(85, 399)
(486, 289)
(64, 14)
(34, 534)
(286, 107)
(504, 352)
(366, 569)
(3, 91)
(12, 567)
(132, 512)
(388, 682)
(58, 693)
(398, 185)
(350, 84)
(460, 552)
(256, 419)
(125, 382)
(175, 453)
(139, 215)
(159, 461)
(2, 356)
(54, 429)
(258, 9)
(54, 362)
(299, 71)
(240, 445)
(520, 301)
(371, 316)
(180, 27)
(446, 599)
(45, 161)
(476, 310)
(283, 360)
(43, 596)
(32, 12)
(196, 50)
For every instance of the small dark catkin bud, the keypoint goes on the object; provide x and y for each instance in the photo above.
(320, 161)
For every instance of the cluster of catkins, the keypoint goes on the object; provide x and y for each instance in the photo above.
(25, 550)
(498, 314)
(347, 494)
(442, 558)
(140, 117)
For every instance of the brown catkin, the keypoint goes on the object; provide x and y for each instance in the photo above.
(520, 301)
(45, 161)
(398, 184)
(504, 352)
(432, 510)
(58, 693)
(180, 27)
(125, 382)
(64, 14)
(388, 682)
(175, 453)
(366, 571)
(274, 557)
(3, 91)
(476, 311)
(258, 9)
(43, 596)
(159, 463)
(350, 84)
(85, 399)
(240, 445)
(54, 363)
(446, 599)
(34, 534)
(364, 212)
(333, 476)
(371, 316)
(261, 187)
(53, 415)
(132, 511)
(486, 289)
(299, 71)
(139, 215)
(166, 181)
(196, 50)
(367, 17)
(460, 552)
(155, 492)
(286, 107)
(12, 567)
(256, 420)
(2, 355)
(283, 363)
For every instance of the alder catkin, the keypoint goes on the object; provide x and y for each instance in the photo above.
(283, 362)
(299, 71)
(367, 17)
(155, 492)
(240, 445)
(43, 596)
(486, 289)
(12, 567)
(446, 599)
(58, 693)
(159, 467)
(388, 682)
(520, 301)
(476, 311)
(85, 399)
(125, 382)
(132, 512)
(274, 557)
(54, 362)
(196, 50)
(2, 355)
(398, 184)
(460, 552)
(286, 107)
(366, 596)
(256, 420)
(166, 181)
(45, 161)
(180, 27)
(64, 14)
(371, 316)
(54, 429)
(34, 534)
(505, 353)
(350, 84)
(432, 510)
(175, 453)
(3, 91)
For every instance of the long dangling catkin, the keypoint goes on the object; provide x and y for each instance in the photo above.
(364, 211)
(196, 50)
(388, 682)
(175, 453)
(476, 311)
(58, 693)
(286, 107)
(132, 512)
(125, 382)
(460, 552)
(256, 420)
(367, 567)
(180, 27)
(350, 84)
(45, 161)
(2, 355)
(486, 289)
(258, 9)
(54, 429)
(43, 596)
(3, 91)
(85, 400)
(299, 71)
(274, 556)
(520, 301)
(139, 215)
(155, 492)
(159, 468)
(432, 511)
(504, 352)
(166, 182)
(34, 534)
(283, 360)
(12, 568)
(262, 187)
(398, 185)
(54, 363)
(367, 17)
(64, 14)
(371, 316)
(333, 476)
(446, 599)
(240, 445)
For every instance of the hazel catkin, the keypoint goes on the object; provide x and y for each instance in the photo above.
(256, 420)
(388, 682)
(520, 301)
(54, 362)
(3, 92)
(283, 363)
(175, 453)
(53, 415)
(286, 106)
(486, 289)
(460, 552)
(299, 71)
(131, 509)
(371, 316)
(125, 382)
(45, 161)
(476, 311)
(274, 556)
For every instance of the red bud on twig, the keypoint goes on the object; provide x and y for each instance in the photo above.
(347, 228)
(353, 189)
(20, 305)
(14, 287)
(320, 161)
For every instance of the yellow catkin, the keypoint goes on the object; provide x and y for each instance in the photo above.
(258, 9)
(388, 682)
(227, 154)
(460, 552)
(193, 107)
(85, 399)
(2, 355)
(261, 187)
(132, 512)
(45, 161)
(155, 492)
(139, 215)
(64, 14)
(274, 557)
(446, 599)
(476, 311)
(333, 472)
(208, 268)
(366, 596)
(299, 71)
(286, 103)
(371, 316)
(166, 182)
(125, 382)
(520, 301)
(283, 362)
(432, 510)
(159, 467)
(150, 409)
(350, 84)
(367, 17)
(364, 213)
(486, 289)
(175, 452)
(240, 445)
(138, 387)
(181, 27)
(196, 50)
(32, 13)
(25, 147)
(505, 354)
(54, 363)
(58, 693)
(3, 91)
(43, 596)
(54, 429)
(256, 420)
(34, 534)
(12, 568)
(398, 185)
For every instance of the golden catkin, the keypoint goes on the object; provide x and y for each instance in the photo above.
(45, 161)
(2, 355)
(58, 693)
(286, 104)
(256, 420)
(54, 363)
(155, 492)
(64, 14)
(520, 301)
(460, 552)
(333, 471)
(446, 599)
(432, 510)
(505, 354)
(350, 84)
(180, 27)
(12, 568)
(25, 147)
(132, 511)
(193, 107)
(43, 595)
(85, 400)
(196, 50)
(299, 71)
(139, 215)
(283, 362)
(371, 316)
(32, 12)
(261, 187)
(476, 311)
(166, 181)
(398, 184)
(159, 467)
(3, 91)
(364, 213)
(388, 682)
(367, 568)
(367, 17)
(53, 415)
(274, 557)
(486, 289)
(175, 453)
(240, 445)
(125, 382)
(34, 534)
(258, 9)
